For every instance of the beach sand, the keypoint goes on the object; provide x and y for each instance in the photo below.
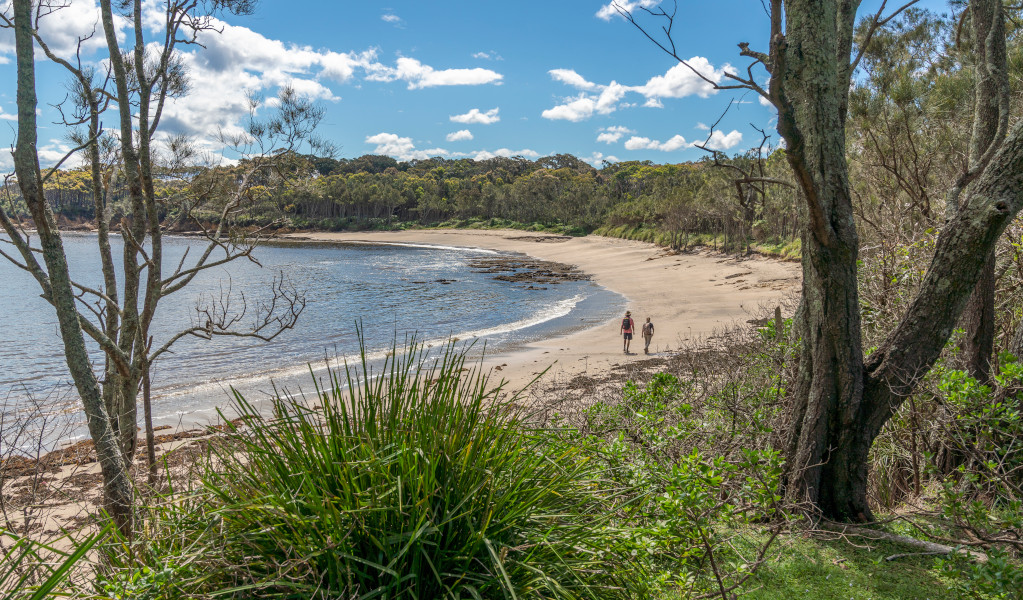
(688, 296)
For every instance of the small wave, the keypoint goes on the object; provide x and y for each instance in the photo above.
(560, 309)
(430, 246)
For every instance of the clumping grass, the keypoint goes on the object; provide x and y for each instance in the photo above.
(420, 483)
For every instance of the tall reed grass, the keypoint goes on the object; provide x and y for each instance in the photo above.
(416, 482)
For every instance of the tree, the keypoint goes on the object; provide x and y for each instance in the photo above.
(118, 317)
(841, 399)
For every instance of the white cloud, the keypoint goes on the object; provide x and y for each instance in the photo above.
(391, 18)
(678, 82)
(578, 109)
(643, 143)
(570, 77)
(609, 10)
(7, 116)
(54, 151)
(722, 141)
(505, 153)
(475, 116)
(702, 127)
(6, 160)
(597, 159)
(419, 75)
(62, 29)
(610, 135)
(457, 136)
(401, 148)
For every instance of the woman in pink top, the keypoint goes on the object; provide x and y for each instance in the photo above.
(628, 326)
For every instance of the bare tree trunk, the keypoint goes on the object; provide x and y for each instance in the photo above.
(125, 408)
(117, 489)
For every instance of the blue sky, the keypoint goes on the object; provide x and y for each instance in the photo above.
(454, 78)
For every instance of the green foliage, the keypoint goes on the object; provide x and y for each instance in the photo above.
(33, 571)
(998, 578)
(690, 506)
(420, 483)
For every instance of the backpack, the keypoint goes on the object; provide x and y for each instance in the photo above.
(627, 324)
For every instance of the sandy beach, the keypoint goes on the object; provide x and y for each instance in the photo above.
(687, 296)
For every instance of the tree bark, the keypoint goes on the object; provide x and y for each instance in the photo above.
(841, 402)
(117, 489)
(990, 124)
(825, 450)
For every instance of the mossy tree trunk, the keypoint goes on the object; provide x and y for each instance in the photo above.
(56, 281)
(841, 401)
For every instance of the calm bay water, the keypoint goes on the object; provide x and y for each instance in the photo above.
(389, 290)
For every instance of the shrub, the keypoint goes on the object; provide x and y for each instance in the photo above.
(421, 483)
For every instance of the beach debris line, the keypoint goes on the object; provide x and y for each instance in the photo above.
(529, 271)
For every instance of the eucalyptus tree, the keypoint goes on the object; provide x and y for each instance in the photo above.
(142, 78)
(841, 398)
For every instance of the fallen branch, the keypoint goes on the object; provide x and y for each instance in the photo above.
(925, 546)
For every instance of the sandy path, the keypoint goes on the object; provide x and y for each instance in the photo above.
(687, 296)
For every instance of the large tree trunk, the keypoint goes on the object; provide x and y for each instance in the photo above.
(990, 125)
(117, 489)
(825, 449)
(841, 403)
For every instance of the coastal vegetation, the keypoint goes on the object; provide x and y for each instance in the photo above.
(872, 433)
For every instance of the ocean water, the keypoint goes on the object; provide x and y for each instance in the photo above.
(388, 291)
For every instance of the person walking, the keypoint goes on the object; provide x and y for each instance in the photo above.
(648, 334)
(628, 326)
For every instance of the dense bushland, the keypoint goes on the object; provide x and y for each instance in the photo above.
(680, 205)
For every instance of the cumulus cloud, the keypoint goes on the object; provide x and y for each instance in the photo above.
(391, 18)
(570, 77)
(597, 159)
(505, 153)
(475, 116)
(460, 135)
(611, 9)
(63, 28)
(419, 75)
(610, 135)
(584, 106)
(678, 82)
(643, 143)
(402, 148)
(723, 141)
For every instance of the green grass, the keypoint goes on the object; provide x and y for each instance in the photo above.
(805, 567)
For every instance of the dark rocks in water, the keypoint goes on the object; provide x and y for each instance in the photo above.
(528, 270)
(446, 281)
